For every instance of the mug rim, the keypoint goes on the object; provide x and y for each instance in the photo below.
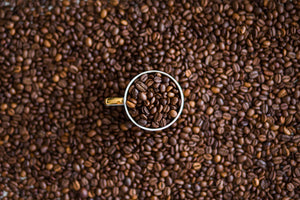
(181, 96)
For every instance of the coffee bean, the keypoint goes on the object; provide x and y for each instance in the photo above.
(144, 77)
(209, 110)
(173, 113)
(158, 116)
(290, 187)
(145, 110)
(55, 78)
(124, 22)
(73, 69)
(142, 122)
(143, 96)
(171, 94)
(127, 181)
(173, 141)
(242, 158)
(157, 79)
(83, 193)
(141, 86)
(130, 104)
(219, 168)
(164, 173)
(217, 158)
(144, 9)
(282, 93)
(103, 13)
(215, 90)
(197, 166)
(88, 42)
(92, 133)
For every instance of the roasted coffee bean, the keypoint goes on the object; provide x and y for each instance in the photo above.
(143, 96)
(83, 193)
(163, 105)
(173, 113)
(142, 122)
(141, 86)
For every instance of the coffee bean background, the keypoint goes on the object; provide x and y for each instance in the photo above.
(237, 62)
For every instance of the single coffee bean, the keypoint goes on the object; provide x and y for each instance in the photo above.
(130, 104)
(76, 185)
(141, 86)
(143, 96)
(83, 193)
(142, 122)
(173, 113)
(103, 13)
(88, 42)
(164, 173)
(144, 78)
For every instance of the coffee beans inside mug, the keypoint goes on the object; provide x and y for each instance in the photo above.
(153, 100)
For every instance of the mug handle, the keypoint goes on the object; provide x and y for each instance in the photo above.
(114, 101)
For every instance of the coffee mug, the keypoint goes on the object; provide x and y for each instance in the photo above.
(121, 101)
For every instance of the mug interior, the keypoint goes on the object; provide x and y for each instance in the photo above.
(181, 97)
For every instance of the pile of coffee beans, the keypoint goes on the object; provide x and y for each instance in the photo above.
(153, 100)
(237, 61)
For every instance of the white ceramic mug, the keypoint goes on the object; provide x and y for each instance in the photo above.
(120, 101)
